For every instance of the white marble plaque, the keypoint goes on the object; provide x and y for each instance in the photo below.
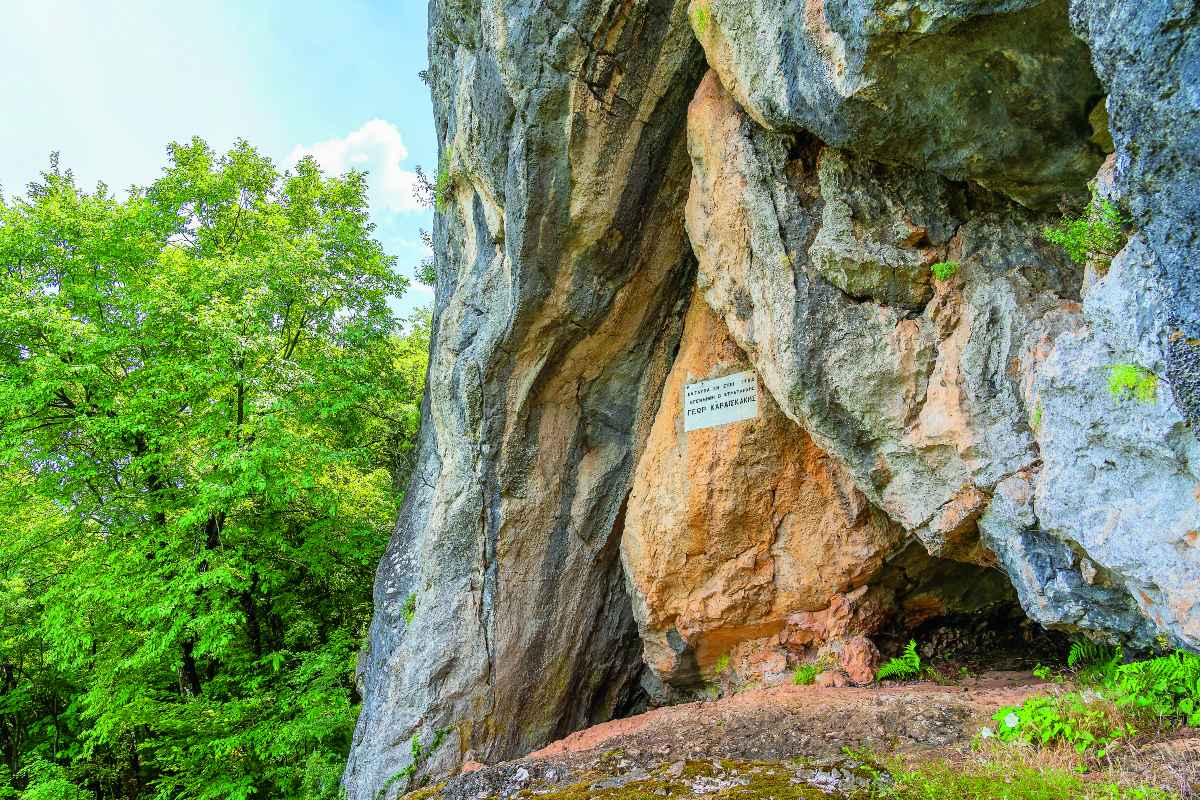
(720, 401)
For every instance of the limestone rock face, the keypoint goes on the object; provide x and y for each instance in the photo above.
(1148, 56)
(996, 91)
(731, 530)
(996, 386)
(562, 268)
(924, 446)
(924, 410)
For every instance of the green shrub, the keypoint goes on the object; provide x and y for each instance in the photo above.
(906, 665)
(442, 187)
(1130, 380)
(1167, 687)
(944, 270)
(805, 674)
(444, 183)
(1096, 233)
(1085, 722)
(427, 272)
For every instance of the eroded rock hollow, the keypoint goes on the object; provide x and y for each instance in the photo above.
(619, 219)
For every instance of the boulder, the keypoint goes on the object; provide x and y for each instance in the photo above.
(1103, 535)
(859, 660)
(999, 92)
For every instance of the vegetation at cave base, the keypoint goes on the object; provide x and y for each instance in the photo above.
(934, 779)
(906, 665)
(207, 410)
(1118, 701)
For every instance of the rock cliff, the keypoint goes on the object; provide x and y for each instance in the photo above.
(634, 196)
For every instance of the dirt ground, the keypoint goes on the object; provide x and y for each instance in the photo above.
(789, 721)
(802, 742)
(777, 724)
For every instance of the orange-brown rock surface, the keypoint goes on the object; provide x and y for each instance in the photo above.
(732, 530)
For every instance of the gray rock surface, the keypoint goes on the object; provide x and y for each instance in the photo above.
(921, 408)
(996, 91)
(1148, 56)
(1057, 586)
(562, 265)
(1119, 475)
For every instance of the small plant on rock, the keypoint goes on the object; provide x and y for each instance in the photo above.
(944, 270)
(700, 20)
(1131, 380)
(442, 187)
(410, 608)
(1035, 419)
(805, 674)
(1096, 233)
(906, 665)
(444, 183)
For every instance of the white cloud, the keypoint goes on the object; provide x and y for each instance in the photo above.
(377, 148)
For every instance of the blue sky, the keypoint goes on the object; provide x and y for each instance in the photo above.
(108, 83)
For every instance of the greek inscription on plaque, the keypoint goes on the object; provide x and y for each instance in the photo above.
(720, 401)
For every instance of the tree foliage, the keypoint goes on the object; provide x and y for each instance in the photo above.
(207, 410)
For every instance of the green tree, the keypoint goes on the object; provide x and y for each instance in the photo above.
(207, 406)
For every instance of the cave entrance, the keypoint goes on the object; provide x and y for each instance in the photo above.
(965, 618)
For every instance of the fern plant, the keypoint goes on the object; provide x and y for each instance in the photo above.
(905, 665)
(1128, 698)
(1094, 662)
(1168, 686)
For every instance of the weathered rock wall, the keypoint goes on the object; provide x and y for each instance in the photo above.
(747, 545)
(996, 91)
(732, 530)
(997, 387)
(563, 266)
(917, 435)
